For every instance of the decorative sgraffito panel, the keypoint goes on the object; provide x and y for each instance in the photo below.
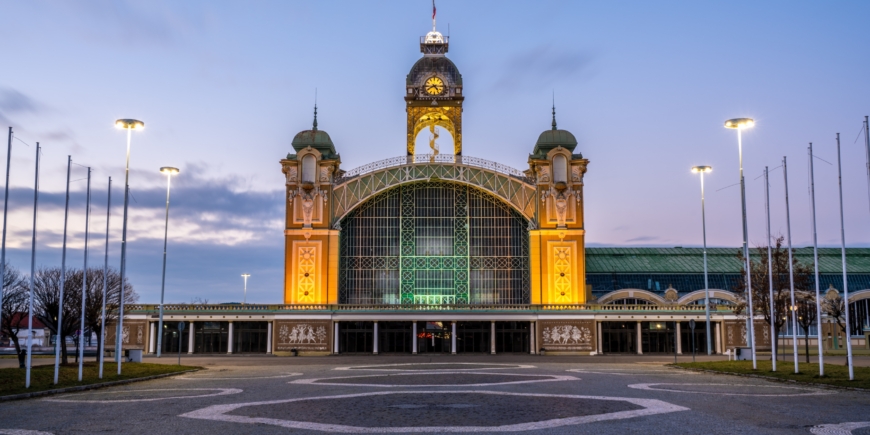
(567, 335)
(303, 335)
(133, 336)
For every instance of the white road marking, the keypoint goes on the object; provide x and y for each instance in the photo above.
(620, 372)
(489, 366)
(220, 378)
(23, 432)
(220, 392)
(552, 378)
(810, 391)
(650, 407)
(838, 429)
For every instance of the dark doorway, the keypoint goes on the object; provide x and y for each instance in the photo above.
(172, 338)
(394, 337)
(211, 337)
(250, 337)
(700, 338)
(619, 337)
(433, 337)
(356, 337)
(512, 337)
(658, 337)
(473, 337)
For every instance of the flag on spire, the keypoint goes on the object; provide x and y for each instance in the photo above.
(433, 9)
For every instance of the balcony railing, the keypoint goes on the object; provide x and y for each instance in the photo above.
(429, 158)
(334, 308)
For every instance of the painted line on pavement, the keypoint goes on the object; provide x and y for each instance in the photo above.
(810, 391)
(839, 429)
(552, 378)
(488, 367)
(220, 392)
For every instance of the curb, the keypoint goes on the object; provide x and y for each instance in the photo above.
(89, 387)
(769, 378)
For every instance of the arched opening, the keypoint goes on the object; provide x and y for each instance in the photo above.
(309, 169)
(434, 243)
(435, 118)
(440, 137)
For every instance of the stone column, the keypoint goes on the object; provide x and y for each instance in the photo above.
(679, 339)
(453, 338)
(230, 338)
(191, 337)
(335, 338)
(375, 339)
(639, 340)
(492, 338)
(414, 337)
(533, 339)
(600, 339)
(269, 337)
(718, 337)
(152, 338)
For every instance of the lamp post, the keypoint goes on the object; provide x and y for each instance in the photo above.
(245, 297)
(740, 124)
(169, 172)
(129, 125)
(702, 170)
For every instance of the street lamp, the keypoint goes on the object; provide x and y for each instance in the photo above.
(245, 297)
(169, 172)
(129, 125)
(740, 124)
(702, 170)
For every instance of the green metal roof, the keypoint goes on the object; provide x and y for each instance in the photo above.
(719, 260)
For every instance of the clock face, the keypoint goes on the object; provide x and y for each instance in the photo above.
(434, 86)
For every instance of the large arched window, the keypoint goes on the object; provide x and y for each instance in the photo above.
(434, 243)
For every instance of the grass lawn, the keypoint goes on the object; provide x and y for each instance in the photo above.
(834, 374)
(42, 377)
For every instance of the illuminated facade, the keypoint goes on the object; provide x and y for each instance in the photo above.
(437, 251)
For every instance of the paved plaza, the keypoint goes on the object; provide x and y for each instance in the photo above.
(439, 394)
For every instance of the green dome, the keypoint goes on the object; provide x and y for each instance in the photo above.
(550, 139)
(317, 139)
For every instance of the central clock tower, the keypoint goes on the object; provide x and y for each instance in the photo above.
(433, 93)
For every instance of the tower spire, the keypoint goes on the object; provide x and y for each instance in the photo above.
(554, 111)
(315, 110)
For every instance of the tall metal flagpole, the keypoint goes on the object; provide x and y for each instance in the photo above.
(793, 306)
(816, 264)
(843, 255)
(60, 338)
(773, 337)
(866, 146)
(751, 327)
(105, 282)
(84, 280)
(5, 209)
(32, 273)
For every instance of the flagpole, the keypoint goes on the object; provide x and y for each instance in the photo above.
(843, 255)
(773, 337)
(5, 209)
(793, 306)
(816, 264)
(57, 342)
(84, 280)
(32, 273)
(103, 334)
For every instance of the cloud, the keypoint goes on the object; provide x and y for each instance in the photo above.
(544, 65)
(13, 101)
(643, 239)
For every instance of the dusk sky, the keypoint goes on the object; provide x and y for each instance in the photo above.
(224, 86)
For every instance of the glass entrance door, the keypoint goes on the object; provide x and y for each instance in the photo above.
(619, 337)
(511, 337)
(658, 337)
(394, 337)
(433, 337)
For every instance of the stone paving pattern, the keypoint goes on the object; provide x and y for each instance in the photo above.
(767, 409)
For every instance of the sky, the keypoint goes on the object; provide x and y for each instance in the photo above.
(224, 86)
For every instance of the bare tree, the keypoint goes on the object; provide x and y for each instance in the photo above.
(94, 302)
(46, 295)
(781, 286)
(835, 307)
(806, 316)
(14, 307)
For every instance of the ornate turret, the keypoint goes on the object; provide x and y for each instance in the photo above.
(554, 138)
(314, 138)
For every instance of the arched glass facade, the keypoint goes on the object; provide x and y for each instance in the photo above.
(434, 243)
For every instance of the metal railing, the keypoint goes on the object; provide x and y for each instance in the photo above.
(338, 308)
(430, 158)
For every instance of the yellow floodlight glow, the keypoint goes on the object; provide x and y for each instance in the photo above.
(697, 169)
(132, 124)
(740, 123)
(169, 170)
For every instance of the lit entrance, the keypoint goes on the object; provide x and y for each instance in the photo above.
(658, 337)
(433, 337)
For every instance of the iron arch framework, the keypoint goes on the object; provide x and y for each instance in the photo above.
(434, 242)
